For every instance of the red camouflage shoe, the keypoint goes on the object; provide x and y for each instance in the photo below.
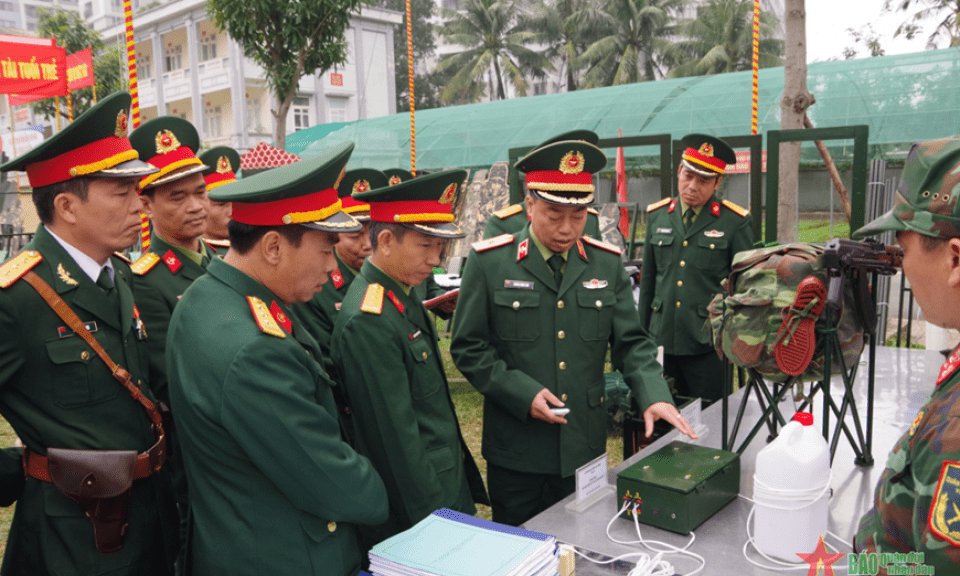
(796, 338)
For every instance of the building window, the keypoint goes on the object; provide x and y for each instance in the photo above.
(31, 11)
(8, 23)
(116, 4)
(6, 6)
(212, 124)
(208, 47)
(301, 113)
(144, 69)
(173, 58)
(254, 122)
(87, 10)
(338, 109)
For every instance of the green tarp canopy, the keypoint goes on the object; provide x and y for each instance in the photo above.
(902, 98)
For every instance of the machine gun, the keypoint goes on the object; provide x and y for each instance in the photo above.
(843, 258)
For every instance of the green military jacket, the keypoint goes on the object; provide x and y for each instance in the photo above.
(518, 332)
(682, 270)
(513, 218)
(319, 313)
(273, 487)
(160, 277)
(917, 498)
(56, 392)
(386, 354)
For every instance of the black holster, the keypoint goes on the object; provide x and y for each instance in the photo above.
(100, 481)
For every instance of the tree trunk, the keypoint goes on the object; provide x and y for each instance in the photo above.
(496, 70)
(795, 102)
(280, 117)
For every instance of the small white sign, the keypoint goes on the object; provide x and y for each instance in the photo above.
(591, 478)
(691, 412)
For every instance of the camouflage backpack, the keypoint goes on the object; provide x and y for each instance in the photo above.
(762, 285)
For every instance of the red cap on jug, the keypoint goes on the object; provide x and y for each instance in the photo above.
(804, 418)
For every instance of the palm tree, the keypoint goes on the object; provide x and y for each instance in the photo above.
(566, 27)
(946, 11)
(636, 33)
(720, 40)
(494, 41)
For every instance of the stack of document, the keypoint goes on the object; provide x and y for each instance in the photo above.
(449, 543)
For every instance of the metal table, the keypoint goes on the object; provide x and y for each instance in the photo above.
(904, 381)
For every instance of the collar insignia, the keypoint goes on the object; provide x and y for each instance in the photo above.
(673, 206)
(65, 276)
(523, 249)
(336, 278)
(715, 208)
(166, 142)
(571, 163)
(281, 318)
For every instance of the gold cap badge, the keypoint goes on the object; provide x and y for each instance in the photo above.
(121, 130)
(360, 186)
(706, 149)
(572, 163)
(394, 180)
(223, 165)
(166, 142)
(447, 196)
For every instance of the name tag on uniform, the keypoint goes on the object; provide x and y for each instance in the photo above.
(518, 284)
(415, 336)
(338, 305)
(65, 332)
(664, 230)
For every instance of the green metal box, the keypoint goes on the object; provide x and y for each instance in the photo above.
(679, 486)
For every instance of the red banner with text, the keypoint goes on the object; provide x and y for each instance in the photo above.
(80, 69)
(35, 70)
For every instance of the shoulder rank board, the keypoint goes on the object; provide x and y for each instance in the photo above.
(659, 204)
(943, 519)
(373, 299)
(123, 257)
(741, 211)
(508, 211)
(264, 318)
(145, 263)
(593, 211)
(496, 241)
(601, 244)
(14, 269)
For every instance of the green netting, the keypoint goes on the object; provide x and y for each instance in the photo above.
(902, 98)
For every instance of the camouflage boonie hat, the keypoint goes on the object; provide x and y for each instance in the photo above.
(926, 200)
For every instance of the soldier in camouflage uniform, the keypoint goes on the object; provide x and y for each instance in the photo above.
(917, 500)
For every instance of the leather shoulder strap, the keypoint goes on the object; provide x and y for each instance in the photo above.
(62, 310)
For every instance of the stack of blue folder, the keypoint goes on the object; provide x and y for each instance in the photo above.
(448, 543)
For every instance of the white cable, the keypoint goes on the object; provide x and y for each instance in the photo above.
(783, 566)
(649, 566)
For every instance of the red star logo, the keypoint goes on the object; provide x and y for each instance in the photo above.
(820, 559)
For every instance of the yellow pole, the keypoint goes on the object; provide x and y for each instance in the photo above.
(413, 131)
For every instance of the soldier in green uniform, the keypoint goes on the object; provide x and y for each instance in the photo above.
(687, 252)
(55, 390)
(513, 218)
(319, 314)
(386, 354)
(274, 488)
(429, 288)
(175, 200)
(918, 495)
(224, 163)
(538, 312)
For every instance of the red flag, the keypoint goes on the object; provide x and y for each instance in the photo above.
(622, 190)
(39, 70)
(80, 69)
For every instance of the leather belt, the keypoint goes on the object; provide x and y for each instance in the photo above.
(147, 464)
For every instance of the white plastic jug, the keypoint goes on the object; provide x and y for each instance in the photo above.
(791, 490)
